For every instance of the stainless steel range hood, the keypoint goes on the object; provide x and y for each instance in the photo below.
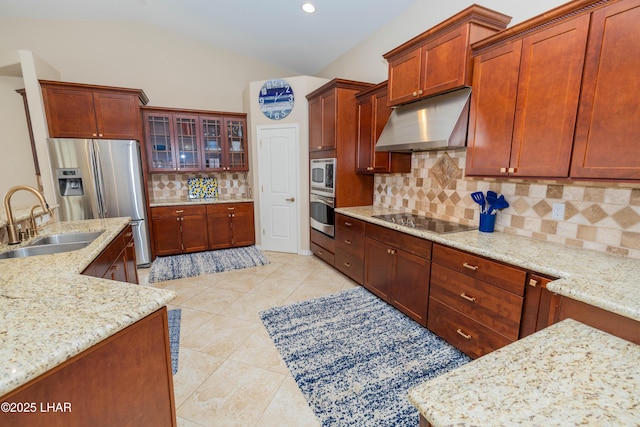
(434, 123)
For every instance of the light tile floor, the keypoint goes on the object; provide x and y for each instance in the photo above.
(229, 371)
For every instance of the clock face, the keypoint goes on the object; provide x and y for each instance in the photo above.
(276, 99)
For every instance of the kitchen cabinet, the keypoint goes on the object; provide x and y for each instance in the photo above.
(123, 380)
(437, 60)
(76, 110)
(349, 247)
(475, 303)
(230, 225)
(373, 114)
(179, 229)
(323, 246)
(195, 141)
(117, 261)
(607, 134)
(397, 269)
(525, 102)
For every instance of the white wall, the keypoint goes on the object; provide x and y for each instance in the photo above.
(365, 62)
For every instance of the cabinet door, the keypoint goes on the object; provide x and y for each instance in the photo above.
(187, 143)
(547, 99)
(236, 145)
(379, 261)
(166, 236)
(118, 270)
(242, 226)
(404, 77)
(70, 113)
(315, 124)
(607, 132)
(159, 131)
(329, 120)
(443, 62)
(410, 288)
(213, 142)
(117, 115)
(495, 84)
(364, 159)
(131, 264)
(194, 233)
(219, 227)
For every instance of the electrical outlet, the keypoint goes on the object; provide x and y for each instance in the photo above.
(557, 211)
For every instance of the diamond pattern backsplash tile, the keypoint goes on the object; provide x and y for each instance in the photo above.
(598, 216)
(175, 185)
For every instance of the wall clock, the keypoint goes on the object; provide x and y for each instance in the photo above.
(276, 99)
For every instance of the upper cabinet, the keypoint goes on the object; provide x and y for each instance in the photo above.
(77, 110)
(373, 114)
(195, 141)
(438, 60)
(554, 97)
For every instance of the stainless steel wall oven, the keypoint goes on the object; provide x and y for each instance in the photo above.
(322, 199)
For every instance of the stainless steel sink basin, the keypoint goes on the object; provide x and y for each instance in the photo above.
(55, 239)
(43, 250)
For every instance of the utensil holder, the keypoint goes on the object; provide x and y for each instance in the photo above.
(487, 222)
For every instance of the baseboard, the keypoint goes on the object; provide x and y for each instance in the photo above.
(305, 252)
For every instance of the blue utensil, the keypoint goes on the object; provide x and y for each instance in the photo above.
(491, 198)
(500, 203)
(478, 197)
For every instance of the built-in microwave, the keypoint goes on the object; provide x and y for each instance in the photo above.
(323, 177)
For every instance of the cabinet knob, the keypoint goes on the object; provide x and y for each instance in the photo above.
(391, 251)
(415, 94)
(512, 170)
(95, 134)
(100, 135)
(370, 168)
(533, 282)
(346, 264)
(347, 241)
(319, 147)
(503, 170)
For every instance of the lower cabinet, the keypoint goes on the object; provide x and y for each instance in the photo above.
(230, 225)
(397, 269)
(323, 246)
(179, 229)
(475, 303)
(118, 261)
(349, 255)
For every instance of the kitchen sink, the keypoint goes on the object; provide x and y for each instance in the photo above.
(43, 250)
(55, 239)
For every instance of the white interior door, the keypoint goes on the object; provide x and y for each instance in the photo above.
(278, 175)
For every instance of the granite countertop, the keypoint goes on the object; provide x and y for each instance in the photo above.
(606, 281)
(49, 312)
(566, 374)
(185, 201)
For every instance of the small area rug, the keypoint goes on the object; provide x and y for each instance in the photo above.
(354, 357)
(189, 265)
(174, 336)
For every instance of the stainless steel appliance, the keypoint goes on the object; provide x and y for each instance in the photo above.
(322, 214)
(99, 178)
(323, 177)
(425, 223)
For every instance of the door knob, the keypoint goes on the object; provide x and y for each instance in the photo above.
(291, 199)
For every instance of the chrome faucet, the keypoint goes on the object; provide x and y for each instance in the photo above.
(12, 229)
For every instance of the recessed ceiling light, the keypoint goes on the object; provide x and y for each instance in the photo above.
(308, 8)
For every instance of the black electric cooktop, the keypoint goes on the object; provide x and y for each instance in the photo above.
(425, 223)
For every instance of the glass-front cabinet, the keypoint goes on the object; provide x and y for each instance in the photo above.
(195, 141)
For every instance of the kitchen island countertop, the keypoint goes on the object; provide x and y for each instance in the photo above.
(606, 281)
(49, 312)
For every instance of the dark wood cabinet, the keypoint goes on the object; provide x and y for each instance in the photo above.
(373, 114)
(349, 247)
(230, 225)
(397, 269)
(536, 79)
(179, 229)
(540, 305)
(117, 261)
(607, 132)
(437, 60)
(195, 141)
(75, 110)
(475, 303)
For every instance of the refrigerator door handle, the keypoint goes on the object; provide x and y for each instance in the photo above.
(97, 172)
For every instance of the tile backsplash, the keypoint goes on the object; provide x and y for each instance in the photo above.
(174, 185)
(603, 216)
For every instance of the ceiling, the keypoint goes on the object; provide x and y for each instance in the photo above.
(276, 32)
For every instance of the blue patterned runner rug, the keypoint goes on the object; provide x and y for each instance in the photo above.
(189, 265)
(354, 357)
(173, 319)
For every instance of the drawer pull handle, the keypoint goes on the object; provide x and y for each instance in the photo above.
(466, 336)
(180, 211)
(230, 209)
(320, 253)
(348, 242)
(347, 223)
(346, 264)
(470, 267)
(467, 297)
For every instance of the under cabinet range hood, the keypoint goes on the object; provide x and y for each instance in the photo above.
(434, 123)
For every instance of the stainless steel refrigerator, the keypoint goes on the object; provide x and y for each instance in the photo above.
(99, 178)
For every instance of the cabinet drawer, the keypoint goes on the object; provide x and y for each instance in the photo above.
(413, 245)
(350, 265)
(177, 211)
(491, 306)
(344, 222)
(503, 276)
(323, 240)
(229, 207)
(350, 235)
(467, 335)
(323, 254)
